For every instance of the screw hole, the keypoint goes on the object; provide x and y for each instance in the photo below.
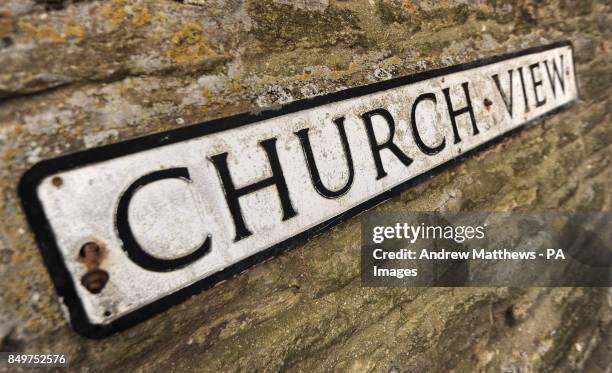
(57, 181)
(6, 41)
(509, 317)
(107, 313)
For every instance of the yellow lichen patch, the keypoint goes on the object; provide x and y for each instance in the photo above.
(29, 29)
(159, 17)
(485, 8)
(114, 11)
(523, 198)
(213, 104)
(391, 62)
(6, 27)
(234, 85)
(188, 45)
(141, 17)
(41, 33)
(340, 74)
(73, 30)
(410, 6)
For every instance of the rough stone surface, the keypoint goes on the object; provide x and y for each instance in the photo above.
(77, 74)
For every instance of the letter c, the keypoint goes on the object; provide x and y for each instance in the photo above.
(415, 131)
(124, 231)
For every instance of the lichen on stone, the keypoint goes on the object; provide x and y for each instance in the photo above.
(188, 45)
(283, 26)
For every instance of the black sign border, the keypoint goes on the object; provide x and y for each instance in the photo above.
(52, 257)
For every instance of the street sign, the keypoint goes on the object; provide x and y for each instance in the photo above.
(129, 229)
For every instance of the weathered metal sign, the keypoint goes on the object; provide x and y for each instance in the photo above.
(128, 229)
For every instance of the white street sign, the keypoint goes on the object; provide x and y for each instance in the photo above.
(131, 228)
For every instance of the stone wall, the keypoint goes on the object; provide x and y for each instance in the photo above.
(75, 74)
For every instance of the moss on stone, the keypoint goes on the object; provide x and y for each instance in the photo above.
(282, 26)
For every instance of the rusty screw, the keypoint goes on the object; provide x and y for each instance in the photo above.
(487, 102)
(90, 252)
(95, 278)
